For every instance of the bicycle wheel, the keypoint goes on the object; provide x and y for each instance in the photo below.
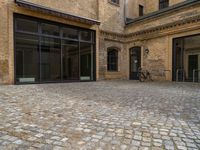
(149, 76)
(142, 77)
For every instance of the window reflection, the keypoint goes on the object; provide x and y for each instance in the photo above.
(70, 60)
(56, 53)
(27, 58)
(50, 59)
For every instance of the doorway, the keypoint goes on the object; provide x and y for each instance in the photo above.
(186, 59)
(135, 62)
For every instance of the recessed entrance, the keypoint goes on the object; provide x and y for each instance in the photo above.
(51, 52)
(135, 62)
(186, 59)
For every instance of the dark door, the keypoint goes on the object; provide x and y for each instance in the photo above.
(135, 62)
(192, 65)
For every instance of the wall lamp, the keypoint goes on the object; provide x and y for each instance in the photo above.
(146, 51)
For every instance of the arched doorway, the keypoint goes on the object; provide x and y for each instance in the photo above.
(135, 62)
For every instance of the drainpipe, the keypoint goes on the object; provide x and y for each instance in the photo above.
(125, 12)
(98, 9)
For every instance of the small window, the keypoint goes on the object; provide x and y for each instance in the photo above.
(112, 60)
(163, 4)
(114, 1)
(141, 10)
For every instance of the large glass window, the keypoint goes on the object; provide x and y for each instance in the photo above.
(27, 58)
(26, 25)
(186, 59)
(50, 52)
(70, 60)
(70, 33)
(86, 35)
(50, 29)
(86, 61)
(50, 59)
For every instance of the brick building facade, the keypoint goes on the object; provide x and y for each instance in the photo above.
(68, 40)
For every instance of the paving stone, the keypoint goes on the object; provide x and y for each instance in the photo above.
(100, 115)
(18, 142)
(137, 137)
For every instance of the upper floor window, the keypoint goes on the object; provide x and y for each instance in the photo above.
(114, 1)
(112, 60)
(163, 4)
(141, 10)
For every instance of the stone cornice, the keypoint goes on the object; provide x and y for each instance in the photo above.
(149, 31)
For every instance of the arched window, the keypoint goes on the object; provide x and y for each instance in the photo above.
(112, 60)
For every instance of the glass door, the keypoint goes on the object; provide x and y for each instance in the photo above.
(70, 60)
(135, 62)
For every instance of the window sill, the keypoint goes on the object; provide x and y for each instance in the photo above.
(113, 71)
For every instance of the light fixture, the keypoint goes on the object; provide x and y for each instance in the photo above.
(146, 51)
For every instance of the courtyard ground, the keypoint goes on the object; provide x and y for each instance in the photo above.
(100, 115)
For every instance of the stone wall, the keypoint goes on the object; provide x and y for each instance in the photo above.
(105, 44)
(86, 8)
(111, 16)
(164, 19)
(4, 61)
(132, 8)
(157, 35)
(153, 5)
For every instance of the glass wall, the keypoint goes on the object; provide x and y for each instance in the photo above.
(186, 59)
(50, 52)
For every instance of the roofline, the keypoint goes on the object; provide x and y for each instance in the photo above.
(164, 11)
(43, 9)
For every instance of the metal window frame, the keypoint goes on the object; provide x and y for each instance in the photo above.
(182, 55)
(40, 35)
(112, 63)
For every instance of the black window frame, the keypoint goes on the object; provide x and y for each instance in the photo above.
(61, 37)
(163, 4)
(112, 60)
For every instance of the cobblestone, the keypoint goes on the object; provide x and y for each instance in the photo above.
(101, 115)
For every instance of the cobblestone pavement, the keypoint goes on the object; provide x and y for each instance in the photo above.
(100, 116)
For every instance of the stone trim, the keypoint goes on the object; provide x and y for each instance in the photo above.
(166, 26)
(112, 35)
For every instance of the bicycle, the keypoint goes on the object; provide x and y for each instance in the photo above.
(144, 75)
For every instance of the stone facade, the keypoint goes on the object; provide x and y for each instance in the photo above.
(155, 32)
(152, 31)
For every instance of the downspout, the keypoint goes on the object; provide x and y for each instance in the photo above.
(124, 12)
(98, 9)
